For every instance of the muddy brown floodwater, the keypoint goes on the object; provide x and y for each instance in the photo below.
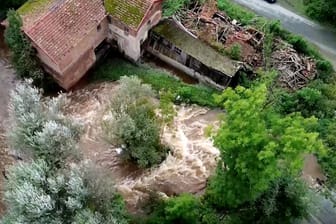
(191, 161)
(7, 81)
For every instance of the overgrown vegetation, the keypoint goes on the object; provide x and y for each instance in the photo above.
(38, 127)
(317, 99)
(257, 179)
(171, 7)
(322, 10)
(24, 57)
(133, 125)
(257, 147)
(35, 194)
(159, 80)
(49, 189)
(234, 52)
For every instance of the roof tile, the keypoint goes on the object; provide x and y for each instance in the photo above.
(130, 12)
(65, 25)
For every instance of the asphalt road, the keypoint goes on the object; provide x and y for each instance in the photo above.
(323, 37)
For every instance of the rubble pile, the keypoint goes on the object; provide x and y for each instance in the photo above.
(217, 29)
(221, 32)
(295, 71)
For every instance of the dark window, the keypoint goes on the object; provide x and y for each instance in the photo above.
(177, 50)
(99, 27)
(126, 30)
(109, 19)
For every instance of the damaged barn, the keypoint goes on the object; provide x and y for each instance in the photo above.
(171, 43)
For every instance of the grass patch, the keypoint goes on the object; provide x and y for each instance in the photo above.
(32, 6)
(113, 69)
(297, 6)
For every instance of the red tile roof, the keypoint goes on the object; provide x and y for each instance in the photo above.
(130, 12)
(65, 25)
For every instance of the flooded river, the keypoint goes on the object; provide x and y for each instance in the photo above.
(192, 159)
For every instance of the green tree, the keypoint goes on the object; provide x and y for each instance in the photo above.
(322, 10)
(257, 147)
(287, 200)
(132, 123)
(23, 55)
(36, 194)
(39, 128)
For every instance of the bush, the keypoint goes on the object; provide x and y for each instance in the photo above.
(170, 7)
(287, 200)
(133, 125)
(159, 80)
(184, 209)
(36, 194)
(24, 57)
(38, 126)
(235, 52)
(325, 70)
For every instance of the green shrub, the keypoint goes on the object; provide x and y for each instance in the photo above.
(181, 209)
(35, 193)
(39, 128)
(299, 44)
(236, 12)
(235, 51)
(23, 57)
(287, 200)
(170, 7)
(167, 107)
(325, 71)
(133, 124)
(159, 80)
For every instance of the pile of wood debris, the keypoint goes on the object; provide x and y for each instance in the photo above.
(221, 32)
(295, 71)
(217, 29)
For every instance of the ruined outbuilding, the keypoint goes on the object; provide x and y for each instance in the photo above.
(179, 48)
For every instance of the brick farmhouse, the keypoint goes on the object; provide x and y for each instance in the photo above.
(67, 34)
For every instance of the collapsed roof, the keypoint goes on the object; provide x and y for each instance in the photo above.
(171, 31)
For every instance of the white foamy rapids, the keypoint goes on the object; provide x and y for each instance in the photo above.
(192, 159)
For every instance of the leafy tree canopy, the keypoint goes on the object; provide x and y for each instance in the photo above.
(257, 147)
(34, 194)
(39, 128)
(23, 55)
(132, 123)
